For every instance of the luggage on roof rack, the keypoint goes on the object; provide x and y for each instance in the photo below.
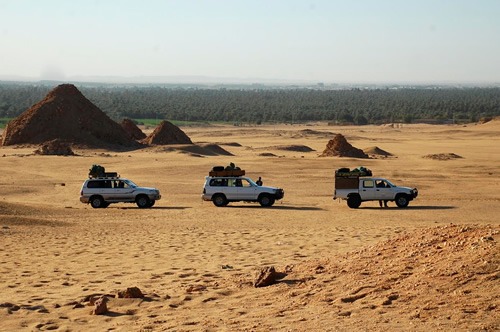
(231, 170)
(98, 171)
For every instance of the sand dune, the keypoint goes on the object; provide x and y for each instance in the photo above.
(201, 149)
(376, 152)
(293, 147)
(431, 266)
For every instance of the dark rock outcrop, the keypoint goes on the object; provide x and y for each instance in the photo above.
(56, 148)
(100, 306)
(266, 277)
(130, 293)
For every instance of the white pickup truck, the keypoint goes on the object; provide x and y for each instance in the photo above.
(356, 189)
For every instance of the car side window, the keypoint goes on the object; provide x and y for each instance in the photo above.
(234, 183)
(367, 183)
(119, 184)
(94, 184)
(218, 183)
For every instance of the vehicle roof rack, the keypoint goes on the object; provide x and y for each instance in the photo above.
(105, 177)
(229, 172)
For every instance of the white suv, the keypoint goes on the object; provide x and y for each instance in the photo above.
(102, 191)
(224, 189)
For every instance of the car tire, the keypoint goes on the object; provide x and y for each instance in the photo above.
(402, 201)
(142, 201)
(354, 201)
(219, 200)
(151, 202)
(97, 202)
(266, 200)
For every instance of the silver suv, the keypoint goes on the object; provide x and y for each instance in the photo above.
(222, 190)
(102, 191)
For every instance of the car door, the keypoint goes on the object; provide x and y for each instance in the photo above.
(231, 191)
(384, 191)
(122, 191)
(246, 190)
(368, 191)
(107, 190)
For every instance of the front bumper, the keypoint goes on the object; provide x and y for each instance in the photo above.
(154, 197)
(280, 193)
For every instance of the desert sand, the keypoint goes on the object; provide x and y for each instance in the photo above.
(432, 266)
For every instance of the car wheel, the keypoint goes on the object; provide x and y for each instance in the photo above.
(266, 200)
(97, 202)
(142, 201)
(219, 200)
(354, 201)
(152, 202)
(402, 201)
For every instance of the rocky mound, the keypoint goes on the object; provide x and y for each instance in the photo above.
(55, 147)
(339, 147)
(486, 120)
(376, 151)
(65, 114)
(442, 278)
(167, 133)
(132, 130)
(442, 156)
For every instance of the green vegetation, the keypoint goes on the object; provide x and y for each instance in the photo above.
(148, 122)
(3, 122)
(255, 105)
(156, 122)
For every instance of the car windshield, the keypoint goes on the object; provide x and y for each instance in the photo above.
(131, 184)
(390, 183)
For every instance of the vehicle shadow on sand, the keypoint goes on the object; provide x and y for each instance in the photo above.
(423, 207)
(153, 208)
(277, 207)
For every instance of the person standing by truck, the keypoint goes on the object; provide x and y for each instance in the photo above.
(381, 184)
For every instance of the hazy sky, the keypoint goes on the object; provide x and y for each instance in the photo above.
(319, 41)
